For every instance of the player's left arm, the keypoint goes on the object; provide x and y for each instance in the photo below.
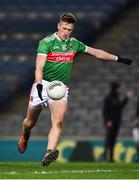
(103, 55)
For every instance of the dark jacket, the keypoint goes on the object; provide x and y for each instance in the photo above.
(137, 110)
(112, 108)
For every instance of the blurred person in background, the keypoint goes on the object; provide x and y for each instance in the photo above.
(113, 106)
(54, 61)
(136, 131)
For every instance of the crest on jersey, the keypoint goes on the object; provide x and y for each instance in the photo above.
(71, 46)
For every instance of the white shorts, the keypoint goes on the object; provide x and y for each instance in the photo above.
(136, 134)
(35, 101)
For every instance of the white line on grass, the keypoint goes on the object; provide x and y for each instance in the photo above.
(74, 171)
(86, 171)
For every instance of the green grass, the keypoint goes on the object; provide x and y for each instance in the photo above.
(69, 170)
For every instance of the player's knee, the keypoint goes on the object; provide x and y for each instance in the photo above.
(59, 124)
(27, 123)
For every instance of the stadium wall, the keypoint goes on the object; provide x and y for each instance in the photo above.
(70, 150)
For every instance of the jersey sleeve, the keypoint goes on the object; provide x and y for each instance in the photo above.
(81, 47)
(43, 48)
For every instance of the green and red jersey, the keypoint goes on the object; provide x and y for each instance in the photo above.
(59, 57)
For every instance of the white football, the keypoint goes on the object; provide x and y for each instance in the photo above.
(56, 90)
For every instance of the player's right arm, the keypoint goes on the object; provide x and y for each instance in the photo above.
(40, 62)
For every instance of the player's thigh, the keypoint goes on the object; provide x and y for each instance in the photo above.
(58, 109)
(33, 113)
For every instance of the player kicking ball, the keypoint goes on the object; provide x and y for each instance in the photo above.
(54, 61)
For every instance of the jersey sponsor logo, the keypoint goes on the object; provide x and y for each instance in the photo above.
(61, 56)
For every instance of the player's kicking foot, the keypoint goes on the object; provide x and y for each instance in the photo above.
(22, 144)
(49, 157)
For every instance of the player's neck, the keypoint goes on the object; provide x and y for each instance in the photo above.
(58, 37)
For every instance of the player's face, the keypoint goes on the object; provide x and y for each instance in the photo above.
(64, 30)
(119, 90)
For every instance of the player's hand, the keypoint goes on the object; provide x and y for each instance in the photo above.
(39, 88)
(130, 94)
(126, 61)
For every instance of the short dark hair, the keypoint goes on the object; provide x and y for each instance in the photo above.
(68, 17)
(115, 85)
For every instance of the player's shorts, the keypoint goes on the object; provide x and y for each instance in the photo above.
(35, 101)
(136, 134)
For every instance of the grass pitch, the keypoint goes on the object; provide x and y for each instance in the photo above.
(14, 170)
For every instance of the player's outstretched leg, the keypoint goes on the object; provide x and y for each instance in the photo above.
(22, 144)
(50, 156)
(28, 124)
